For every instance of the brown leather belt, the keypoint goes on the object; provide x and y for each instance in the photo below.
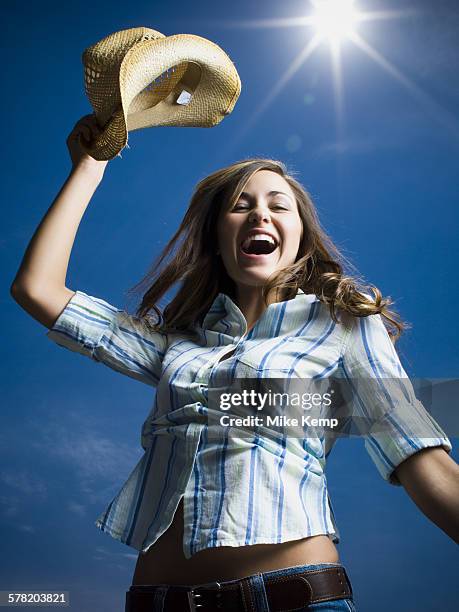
(289, 592)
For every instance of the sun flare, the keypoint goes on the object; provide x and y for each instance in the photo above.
(334, 20)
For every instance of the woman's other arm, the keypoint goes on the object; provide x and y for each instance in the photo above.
(39, 286)
(431, 479)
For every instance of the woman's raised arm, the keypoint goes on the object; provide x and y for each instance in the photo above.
(39, 286)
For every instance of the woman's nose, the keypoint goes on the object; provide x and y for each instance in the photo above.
(259, 214)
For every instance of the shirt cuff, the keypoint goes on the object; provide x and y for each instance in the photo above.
(391, 440)
(82, 324)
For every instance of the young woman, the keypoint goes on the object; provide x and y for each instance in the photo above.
(237, 522)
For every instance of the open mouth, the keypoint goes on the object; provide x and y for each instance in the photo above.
(261, 244)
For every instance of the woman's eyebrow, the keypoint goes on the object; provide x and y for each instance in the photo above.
(271, 193)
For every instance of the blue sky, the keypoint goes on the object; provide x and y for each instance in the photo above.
(384, 182)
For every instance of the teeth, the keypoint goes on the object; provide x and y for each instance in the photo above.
(247, 241)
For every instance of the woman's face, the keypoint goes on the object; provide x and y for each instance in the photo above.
(266, 209)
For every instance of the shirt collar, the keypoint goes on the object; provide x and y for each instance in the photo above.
(224, 316)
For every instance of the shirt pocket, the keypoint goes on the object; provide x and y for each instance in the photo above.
(256, 374)
(252, 366)
(272, 358)
(304, 379)
(291, 357)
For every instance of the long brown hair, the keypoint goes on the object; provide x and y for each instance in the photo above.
(190, 257)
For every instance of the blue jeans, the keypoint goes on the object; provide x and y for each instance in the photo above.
(259, 592)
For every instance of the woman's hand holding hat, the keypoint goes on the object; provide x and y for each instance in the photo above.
(83, 133)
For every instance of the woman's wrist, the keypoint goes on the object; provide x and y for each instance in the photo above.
(92, 169)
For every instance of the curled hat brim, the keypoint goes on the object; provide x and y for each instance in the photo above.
(152, 75)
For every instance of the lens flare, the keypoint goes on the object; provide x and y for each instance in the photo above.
(334, 19)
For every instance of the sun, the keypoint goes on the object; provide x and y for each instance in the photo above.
(334, 20)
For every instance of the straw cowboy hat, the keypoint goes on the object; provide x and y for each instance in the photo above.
(140, 78)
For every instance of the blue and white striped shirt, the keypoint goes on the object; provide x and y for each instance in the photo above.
(238, 490)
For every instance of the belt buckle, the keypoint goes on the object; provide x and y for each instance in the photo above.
(192, 595)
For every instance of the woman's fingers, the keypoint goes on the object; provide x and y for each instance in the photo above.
(90, 122)
(87, 127)
(86, 133)
(83, 135)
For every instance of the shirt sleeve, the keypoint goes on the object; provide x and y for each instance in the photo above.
(394, 423)
(93, 327)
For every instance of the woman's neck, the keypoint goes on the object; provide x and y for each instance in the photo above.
(251, 303)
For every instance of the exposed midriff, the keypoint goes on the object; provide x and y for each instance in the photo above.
(164, 562)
